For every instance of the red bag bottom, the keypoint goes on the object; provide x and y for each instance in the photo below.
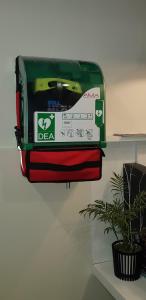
(82, 175)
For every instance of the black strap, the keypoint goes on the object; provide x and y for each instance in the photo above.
(56, 167)
(17, 74)
(18, 131)
(18, 135)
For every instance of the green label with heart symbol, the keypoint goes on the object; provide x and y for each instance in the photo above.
(99, 113)
(44, 127)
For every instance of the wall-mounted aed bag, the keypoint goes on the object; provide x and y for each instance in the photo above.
(60, 119)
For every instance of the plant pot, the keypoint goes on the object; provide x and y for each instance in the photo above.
(143, 243)
(127, 265)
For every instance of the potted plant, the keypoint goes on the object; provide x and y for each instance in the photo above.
(143, 242)
(118, 217)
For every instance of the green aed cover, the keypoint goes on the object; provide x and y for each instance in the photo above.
(59, 102)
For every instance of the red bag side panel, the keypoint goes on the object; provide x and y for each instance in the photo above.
(23, 162)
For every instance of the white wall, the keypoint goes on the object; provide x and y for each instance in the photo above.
(45, 244)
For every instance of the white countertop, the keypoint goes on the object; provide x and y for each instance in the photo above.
(130, 138)
(119, 289)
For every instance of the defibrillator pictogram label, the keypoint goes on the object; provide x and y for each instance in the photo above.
(81, 123)
(44, 124)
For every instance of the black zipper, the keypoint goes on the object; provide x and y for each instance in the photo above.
(63, 168)
(67, 149)
(63, 147)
